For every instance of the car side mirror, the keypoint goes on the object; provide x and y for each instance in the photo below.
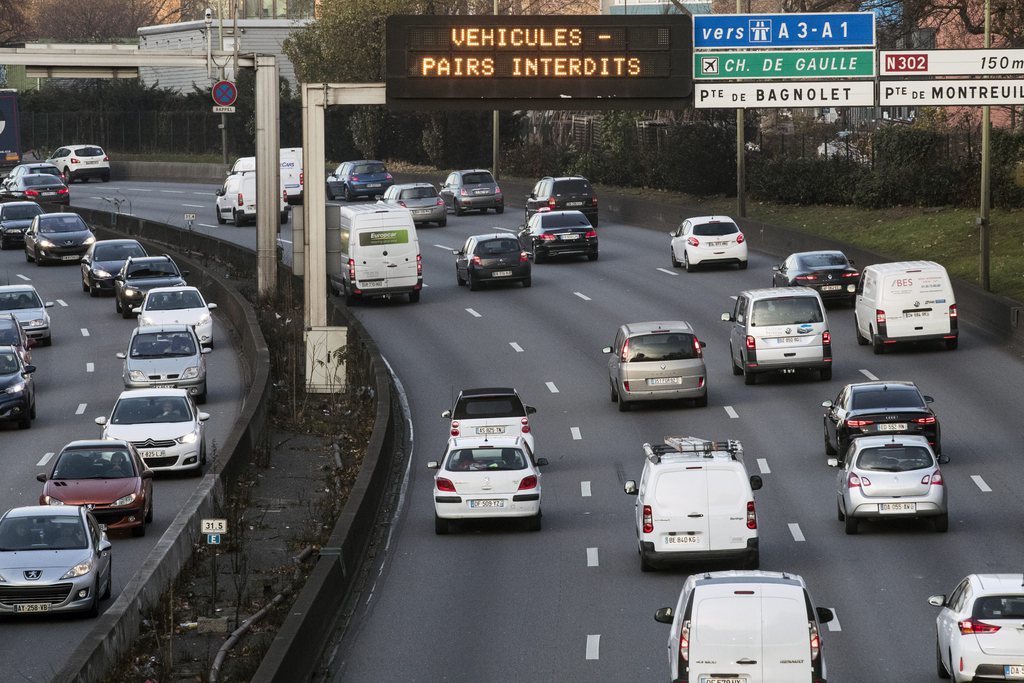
(457, 252)
(542, 462)
(137, 309)
(119, 277)
(943, 459)
(220, 192)
(121, 354)
(826, 404)
(606, 349)
(703, 344)
(446, 413)
(727, 318)
(937, 600)
(630, 487)
(206, 350)
(825, 615)
(29, 369)
(48, 304)
(147, 474)
(530, 410)
(104, 546)
(41, 476)
(203, 417)
(101, 421)
(756, 482)
(850, 261)
(664, 615)
(433, 464)
(777, 268)
(531, 196)
(211, 306)
(929, 399)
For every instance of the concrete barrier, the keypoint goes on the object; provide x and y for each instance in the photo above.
(171, 170)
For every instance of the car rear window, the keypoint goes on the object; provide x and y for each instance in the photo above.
(575, 186)
(368, 168)
(999, 607)
(49, 224)
(494, 247)
(479, 407)
(823, 260)
(477, 178)
(894, 459)
(569, 219)
(48, 170)
(490, 459)
(649, 348)
(418, 193)
(900, 397)
(20, 213)
(717, 228)
(89, 152)
(41, 180)
(786, 311)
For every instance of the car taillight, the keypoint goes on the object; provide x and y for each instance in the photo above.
(826, 337)
(62, 190)
(528, 482)
(419, 264)
(497, 190)
(853, 481)
(648, 520)
(591, 234)
(525, 422)
(74, 160)
(859, 423)
(455, 428)
(952, 310)
(698, 352)
(815, 640)
(551, 204)
(387, 176)
(880, 316)
(547, 237)
(739, 238)
(751, 342)
(625, 384)
(284, 196)
(684, 641)
(969, 626)
(624, 354)
(930, 420)
(302, 178)
(693, 241)
(31, 193)
(751, 515)
(444, 485)
(523, 257)
(593, 200)
(805, 278)
(402, 204)
(463, 192)
(935, 478)
(354, 178)
(439, 202)
(106, 158)
(352, 271)
(241, 202)
(851, 274)
(476, 260)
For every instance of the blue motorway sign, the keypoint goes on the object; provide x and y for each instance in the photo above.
(825, 29)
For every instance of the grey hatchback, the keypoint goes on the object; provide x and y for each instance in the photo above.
(496, 257)
(472, 190)
(652, 361)
(422, 201)
(166, 356)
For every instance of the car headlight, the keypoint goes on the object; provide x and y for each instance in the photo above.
(203, 319)
(38, 322)
(89, 240)
(131, 291)
(100, 273)
(137, 376)
(146, 320)
(50, 500)
(125, 500)
(80, 569)
(191, 437)
(46, 244)
(190, 373)
(15, 388)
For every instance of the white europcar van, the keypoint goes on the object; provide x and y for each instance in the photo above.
(747, 627)
(237, 200)
(907, 301)
(373, 250)
(694, 502)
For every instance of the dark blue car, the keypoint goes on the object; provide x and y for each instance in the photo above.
(15, 217)
(362, 178)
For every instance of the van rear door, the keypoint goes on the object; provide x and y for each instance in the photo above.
(727, 508)
(785, 633)
(387, 256)
(679, 509)
(916, 303)
(725, 635)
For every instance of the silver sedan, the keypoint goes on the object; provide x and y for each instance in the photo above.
(891, 477)
(53, 559)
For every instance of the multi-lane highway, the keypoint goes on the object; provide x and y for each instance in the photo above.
(569, 603)
(77, 380)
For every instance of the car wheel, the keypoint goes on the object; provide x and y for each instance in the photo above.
(877, 345)
(499, 209)
(686, 262)
(645, 564)
(825, 373)
(457, 209)
(675, 261)
(701, 401)
(592, 257)
(117, 303)
(414, 296)
(534, 523)
(749, 377)
(851, 526)
(201, 396)
(85, 285)
(736, 370)
(126, 311)
(861, 339)
(110, 582)
(941, 523)
(237, 219)
(441, 526)
(839, 512)
(3, 245)
(474, 284)
(25, 422)
(94, 606)
(613, 395)
(140, 530)
(443, 222)
(348, 194)
(149, 512)
(105, 178)
(754, 563)
(284, 217)
(829, 448)
(951, 344)
(220, 218)
(624, 406)
(940, 668)
(528, 281)
(743, 265)
(28, 257)
(458, 279)
(69, 176)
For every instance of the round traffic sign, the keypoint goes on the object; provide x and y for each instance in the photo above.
(224, 93)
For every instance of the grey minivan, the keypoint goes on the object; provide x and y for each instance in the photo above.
(166, 356)
(653, 361)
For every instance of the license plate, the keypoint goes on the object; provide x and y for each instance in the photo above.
(153, 454)
(32, 607)
(373, 184)
(897, 507)
(487, 503)
(92, 161)
(481, 191)
(664, 380)
(71, 258)
(717, 244)
(683, 540)
(1015, 670)
(718, 679)
(501, 273)
(490, 430)
(831, 288)
(571, 236)
(49, 194)
(788, 340)
(421, 212)
(574, 203)
(371, 284)
(892, 427)
(916, 314)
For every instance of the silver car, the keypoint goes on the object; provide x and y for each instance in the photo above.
(422, 201)
(24, 302)
(168, 356)
(472, 190)
(653, 361)
(53, 559)
(891, 477)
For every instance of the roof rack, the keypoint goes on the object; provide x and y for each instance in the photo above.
(692, 445)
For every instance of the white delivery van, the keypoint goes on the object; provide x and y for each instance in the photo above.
(373, 250)
(745, 626)
(237, 200)
(695, 502)
(292, 176)
(907, 301)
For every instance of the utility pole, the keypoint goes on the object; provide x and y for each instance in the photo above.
(495, 122)
(741, 156)
(986, 172)
(223, 117)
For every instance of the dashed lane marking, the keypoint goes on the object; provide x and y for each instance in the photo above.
(85, 332)
(762, 465)
(504, 229)
(985, 488)
(516, 347)
(45, 459)
(551, 387)
(90, 367)
(593, 646)
(731, 412)
(591, 557)
(798, 535)
(473, 313)
(64, 304)
(575, 431)
(441, 246)
(666, 271)
(207, 225)
(24, 277)
(868, 375)
(834, 624)
(173, 191)
(194, 206)
(585, 489)
(80, 410)
(582, 296)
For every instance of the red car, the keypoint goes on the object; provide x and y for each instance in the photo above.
(108, 477)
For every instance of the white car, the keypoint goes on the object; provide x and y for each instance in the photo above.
(980, 629)
(178, 305)
(163, 424)
(81, 162)
(491, 411)
(708, 239)
(487, 477)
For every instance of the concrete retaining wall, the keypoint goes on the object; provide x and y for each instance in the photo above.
(170, 170)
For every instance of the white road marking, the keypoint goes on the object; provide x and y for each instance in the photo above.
(441, 246)
(834, 624)
(138, 189)
(762, 465)
(473, 313)
(868, 375)
(204, 194)
(985, 488)
(593, 646)
(798, 535)
(24, 277)
(591, 557)
(582, 296)
(62, 303)
(85, 332)
(585, 489)
(733, 297)
(284, 241)
(89, 367)
(206, 225)
(45, 459)
(194, 206)
(551, 387)
(731, 412)
(504, 229)
(173, 191)
(575, 431)
(666, 271)
(80, 410)
(516, 347)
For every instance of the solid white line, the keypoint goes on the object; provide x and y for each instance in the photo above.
(591, 557)
(203, 194)
(868, 375)
(551, 387)
(985, 488)
(23, 277)
(194, 206)
(666, 271)
(45, 459)
(85, 332)
(62, 303)
(137, 189)
(173, 191)
(593, 646)
(834, 624)
(575, 431)
(762, 465)
(731, 412)
(89, 367)
(798, 535)
(284, 241)
(441, 246)
(516, 347)
(473, 313)
(81, 409)
(206, 225)
(582, 296)
(585, 489)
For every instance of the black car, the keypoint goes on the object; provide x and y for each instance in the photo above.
(34, 167)
(559, 233)
(559, 194)
(17, 393)
(492, 258)
(829, 272)
(15, 218)
(138, 275)
(57, 237)
(472, 190)
(878, 409)
(39, 187)
(103, 261)
(364, 178)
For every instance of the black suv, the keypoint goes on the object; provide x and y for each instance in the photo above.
(558, 194)
(138, 275)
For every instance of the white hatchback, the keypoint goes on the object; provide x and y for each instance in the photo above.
(708, 239)
(487, 477)
(178, 305)
(980, 629)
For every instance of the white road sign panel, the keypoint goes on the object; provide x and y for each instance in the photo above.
(214, 526)
(784, 95)
(223, 110)
(951, 92)
(951, 63)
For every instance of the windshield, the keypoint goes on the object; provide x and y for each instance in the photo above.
(93, 464)
(786, 311)
(480, 408)
(116, 252)
(19, 301)
(157, 269)
(478, 178)
(174, 301)
(714, 229)
(368, 168)
(133, 411)
(492, 459)
(824, 260)
(9, 363)
(20, 213)
(886, 397)
(894, 459)
(43, 532)
(660, 347)
(568, 219)
(56, 224)
(419, 193)
(162, 345)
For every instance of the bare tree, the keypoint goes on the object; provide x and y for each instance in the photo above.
(12, 21)
(99, 21)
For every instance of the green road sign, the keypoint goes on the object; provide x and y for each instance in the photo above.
(774, 65)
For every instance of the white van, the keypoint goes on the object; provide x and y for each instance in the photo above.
(694, 502)
(237, 200)
(373, 250)
(292, 176)
(745, 626)
(907, 301)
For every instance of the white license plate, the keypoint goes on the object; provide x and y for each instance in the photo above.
(572, 236)
(71, 258)
(788, 340)
(897, 507)
(574, 203)
(664, 380)
(32, 607)
(716, 244)
(501, 273)
(92, 161)
(491, 503)
(373, 184)
(892, 427)
(1015, 670)
(831, 288)
(153, 454)
(916, 314)
(421, 212)
(481, 191)
(490, 430)
(371, 284)
(49, 194)
(683, 540)
(719, 679)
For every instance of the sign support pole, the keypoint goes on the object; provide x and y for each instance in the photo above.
(495, 123)
(741, 157)
(986, 169)
(268, 178)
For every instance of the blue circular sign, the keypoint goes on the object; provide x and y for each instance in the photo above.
(224, 93)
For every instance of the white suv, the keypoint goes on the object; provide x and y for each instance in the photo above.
(81, 162)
